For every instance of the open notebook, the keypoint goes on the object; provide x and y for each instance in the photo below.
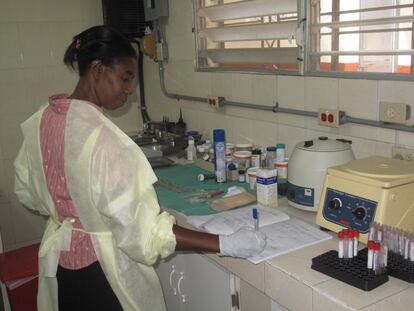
(284, 235)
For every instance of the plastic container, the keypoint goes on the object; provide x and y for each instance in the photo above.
(191, 150)
(270, 157)
(220, 155)
(251, 176)
(242, 176)
(256, 158)
(244, 147)
(230, 148)
(243, 158)
(280, 152)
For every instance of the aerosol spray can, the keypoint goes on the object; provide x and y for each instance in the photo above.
(219, 155)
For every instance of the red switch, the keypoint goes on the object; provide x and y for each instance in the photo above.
(330, 118)
(323, 117)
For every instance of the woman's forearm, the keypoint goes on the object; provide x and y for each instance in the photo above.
(190, 240)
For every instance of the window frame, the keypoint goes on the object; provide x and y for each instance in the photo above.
(304, 52)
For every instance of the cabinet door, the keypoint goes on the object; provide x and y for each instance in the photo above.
(168, 271)
(205, 284)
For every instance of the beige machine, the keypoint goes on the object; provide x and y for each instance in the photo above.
(366, 190)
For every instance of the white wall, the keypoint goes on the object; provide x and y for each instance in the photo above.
(34, 34)
(33, 37)
(359, 98)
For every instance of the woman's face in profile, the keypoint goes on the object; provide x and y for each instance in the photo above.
(114, 84)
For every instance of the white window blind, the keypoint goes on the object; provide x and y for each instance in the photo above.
(247, 35)
(361, 36)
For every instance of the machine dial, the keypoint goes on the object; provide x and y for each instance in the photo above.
(335, 204)
(359, 212)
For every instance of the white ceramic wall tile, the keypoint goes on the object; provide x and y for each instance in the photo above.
(359, 98)
(264, 133)
(362, 147)
(58, 79)
(10, 52)
(127, 117)
(221, 85)
(61, 35)
(8, 12)
(63, 10)
(6, 225)
(405, 138)
(12, 92)
(397, 92)
(290, 136)
(36, 11)
(10, 136)
(197, 83)
(284, 289)
(312, 124)
(242, 130)
(321, 93)
(332, 293)
(383, 149)
(36, 49)
(242, 88)
(264, 90)
(291, 94)
(175, 78)
(179, 34)
(367, 132)
(91, 12)
(36, 89)
(27, 226)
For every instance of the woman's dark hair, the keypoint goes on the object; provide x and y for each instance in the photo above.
(98, 42)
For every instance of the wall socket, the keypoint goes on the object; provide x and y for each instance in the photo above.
(215, 101)
(402, 153)
(394, 112)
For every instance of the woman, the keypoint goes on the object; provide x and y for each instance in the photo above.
(105, 229)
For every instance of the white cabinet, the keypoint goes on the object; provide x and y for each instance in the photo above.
(193, 282)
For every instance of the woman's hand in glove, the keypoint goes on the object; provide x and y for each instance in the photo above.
(244, 243)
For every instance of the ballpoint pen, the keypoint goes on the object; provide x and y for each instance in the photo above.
(256, 219)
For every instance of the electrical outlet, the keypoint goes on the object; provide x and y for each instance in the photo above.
(394, 112)
(214, 102)
(402, 153)
(330, 117)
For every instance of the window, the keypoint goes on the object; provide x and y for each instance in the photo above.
(352, 38)
(361, 36)
(253, 35)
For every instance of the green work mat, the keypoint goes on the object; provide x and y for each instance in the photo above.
(178, 186)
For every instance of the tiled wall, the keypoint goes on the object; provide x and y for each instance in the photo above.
(34, 34)
(33, 37)
(359, 98)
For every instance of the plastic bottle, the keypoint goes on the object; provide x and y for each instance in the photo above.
(280, 152)
(270, 157)
(191, 150)
(256, 157)
(219, 155)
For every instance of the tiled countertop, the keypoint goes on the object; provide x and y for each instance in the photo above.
(289, 280)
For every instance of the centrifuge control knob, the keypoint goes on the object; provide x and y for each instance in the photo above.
(359, 212)
(335, 204)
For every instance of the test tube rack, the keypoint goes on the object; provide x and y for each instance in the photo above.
(351, 271)
(397, 266)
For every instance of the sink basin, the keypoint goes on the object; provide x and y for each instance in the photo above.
(158, 150)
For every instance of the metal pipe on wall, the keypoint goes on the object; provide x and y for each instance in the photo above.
(345, 119)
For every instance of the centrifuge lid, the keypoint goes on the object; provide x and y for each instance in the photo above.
(379, 171)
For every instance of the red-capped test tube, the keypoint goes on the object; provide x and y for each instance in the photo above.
(341, 237)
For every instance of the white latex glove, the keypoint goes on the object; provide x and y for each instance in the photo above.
(243, 243)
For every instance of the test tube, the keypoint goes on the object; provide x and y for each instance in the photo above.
(341, 237)
(356, 236)
(370, 255)
(350, 243)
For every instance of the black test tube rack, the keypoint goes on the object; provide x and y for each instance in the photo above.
(351, 271)
(397, 266)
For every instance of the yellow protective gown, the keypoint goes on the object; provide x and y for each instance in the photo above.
(111, 185)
